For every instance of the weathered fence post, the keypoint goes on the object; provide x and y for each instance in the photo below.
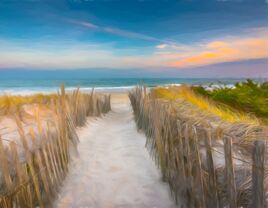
(198, 175)
(258, 156)
(30, 162)
(180, 160)
(212, 201)
(181, 151)
(4, 167)
(188, 167)
(229, 172)
(5, 170)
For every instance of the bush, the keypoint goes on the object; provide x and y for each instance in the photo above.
(248, 96)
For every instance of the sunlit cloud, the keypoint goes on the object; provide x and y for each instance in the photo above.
(173, 46)
(225, 49)
(78, 55)
(161, 46)
(216, 44)
(207, 57)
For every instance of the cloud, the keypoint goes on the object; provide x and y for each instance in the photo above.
(161, 46)
(219, 52)
(216, 44)
(85, 24)
(113, 30)
(128, 34)
(122, 33)
(225, 49)
(62, 54)
(172, 46)
(208, 57)
(69, 54)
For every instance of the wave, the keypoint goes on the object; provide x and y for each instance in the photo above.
(108, 89)
(46, 90)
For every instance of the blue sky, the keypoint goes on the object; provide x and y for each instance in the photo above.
(152, 35)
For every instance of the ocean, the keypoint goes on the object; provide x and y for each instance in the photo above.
(48, 85)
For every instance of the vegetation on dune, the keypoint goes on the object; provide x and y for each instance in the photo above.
(204, 103)
(35, 155)
(207, 160)
(11, 104)
(248, 96)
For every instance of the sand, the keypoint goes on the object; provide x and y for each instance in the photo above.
(113, 169)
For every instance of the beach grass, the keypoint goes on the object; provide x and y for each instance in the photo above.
(205, 150)
(224, 112)
(35, 155)
(248, 96)
(11, 104)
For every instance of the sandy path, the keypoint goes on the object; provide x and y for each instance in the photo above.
(113, 169)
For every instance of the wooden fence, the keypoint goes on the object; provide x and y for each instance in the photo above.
(32, 170)
(200, 163)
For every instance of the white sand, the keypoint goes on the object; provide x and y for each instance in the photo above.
(114, 169)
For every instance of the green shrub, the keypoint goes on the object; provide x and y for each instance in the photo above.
(248, 96)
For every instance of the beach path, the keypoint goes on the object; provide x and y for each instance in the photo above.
(113, 168)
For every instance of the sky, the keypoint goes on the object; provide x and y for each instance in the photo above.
(164, 37)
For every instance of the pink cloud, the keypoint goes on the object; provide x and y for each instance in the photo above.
(161, 46)
(235, 49)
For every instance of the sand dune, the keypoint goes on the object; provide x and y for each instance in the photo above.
(113, 169)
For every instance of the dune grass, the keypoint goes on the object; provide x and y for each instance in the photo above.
(204, 103)
(11, 104)
(35, 157)
(192, 147)
(248, 96)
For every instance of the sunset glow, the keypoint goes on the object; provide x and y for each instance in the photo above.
(93, 38)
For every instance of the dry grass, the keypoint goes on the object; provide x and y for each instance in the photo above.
(36, 150)
(184, 131)
(248, 96)
(186, 93)
(11, 104)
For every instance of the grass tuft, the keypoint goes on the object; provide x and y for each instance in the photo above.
(249, 97)
(204, 103)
